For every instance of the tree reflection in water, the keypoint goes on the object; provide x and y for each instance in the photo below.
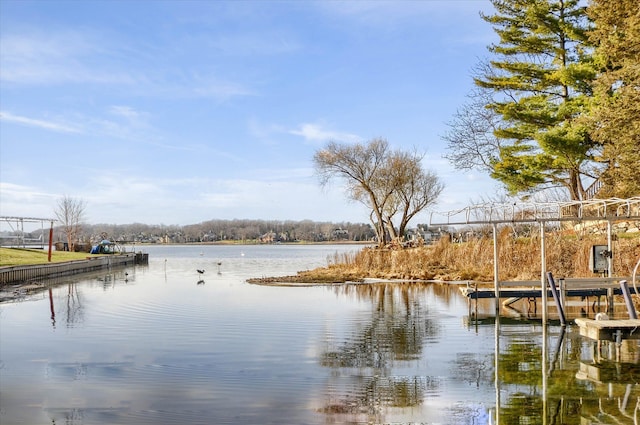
(74, 311)
(545, 374)
(601, 392)
(69, 304)
(363, 382)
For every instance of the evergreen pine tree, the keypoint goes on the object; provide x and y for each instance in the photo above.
(615, 117)
(541, 78)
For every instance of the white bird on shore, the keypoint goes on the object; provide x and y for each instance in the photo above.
(602, 316)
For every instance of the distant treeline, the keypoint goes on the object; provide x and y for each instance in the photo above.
(265, 231)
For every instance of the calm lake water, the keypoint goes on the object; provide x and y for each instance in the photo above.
(161, 344)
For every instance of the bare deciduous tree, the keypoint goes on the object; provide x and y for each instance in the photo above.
(415, 190)
(70, 214)
(471, 142)
(360, 166)
(392, 184)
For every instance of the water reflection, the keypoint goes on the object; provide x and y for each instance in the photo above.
(396, 330)
(68, 305)
(543, 387)
(363, 382)
(149, 345)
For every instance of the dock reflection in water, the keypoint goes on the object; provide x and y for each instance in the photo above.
(148, 345)
(553, 375)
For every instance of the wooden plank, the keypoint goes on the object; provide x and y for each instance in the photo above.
(610, 372)
(608, 329)
(521, 283)
(504, 293)
(613, 323)
(536, 293)
(591, 283)
(595, 281)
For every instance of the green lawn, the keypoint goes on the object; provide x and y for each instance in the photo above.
(21, 257)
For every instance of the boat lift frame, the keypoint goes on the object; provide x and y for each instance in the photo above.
(19, 221)
(609, 210)
(594, 210)
(19, 227)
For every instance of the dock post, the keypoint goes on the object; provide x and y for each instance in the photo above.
(563, 293)
(496, 280)
(610, 249)
(543, 277)
(627, 299)
(545, 371)
(50, 242)
(496, 366)
(556, 298)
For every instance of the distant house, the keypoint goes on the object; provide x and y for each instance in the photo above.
(209, 237)
(340, 234)
(269, 237)
(426, 234)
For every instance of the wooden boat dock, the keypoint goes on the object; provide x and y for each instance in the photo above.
(542, 214)
(609, 330)
(531, 289)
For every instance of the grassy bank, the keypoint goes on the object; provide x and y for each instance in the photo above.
(519, 259)
(22, 257)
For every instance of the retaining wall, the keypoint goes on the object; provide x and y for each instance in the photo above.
(14, 274)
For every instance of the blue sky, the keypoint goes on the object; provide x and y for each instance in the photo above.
(178, 112)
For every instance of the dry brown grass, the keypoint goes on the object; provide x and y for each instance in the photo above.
(567, 255)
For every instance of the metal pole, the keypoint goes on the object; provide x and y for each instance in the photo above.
(50, 242)
(543, 277)
(21, 241)
(610, 249)
(496, 361)
(544, 373)
(496, 280)
(556, 298)
(627, 299)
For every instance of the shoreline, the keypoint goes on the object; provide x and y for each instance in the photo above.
(29, 273)
(250, 243)
(295, 281)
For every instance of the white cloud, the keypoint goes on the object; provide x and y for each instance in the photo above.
(25, 201)
(126, 112)
(267, 43)
(55, 58)
(315, 133)
(31, 122)
(392, 12)
(264, 131)
(127, 124)
(279, 194)
(218, 89)
(75, 57)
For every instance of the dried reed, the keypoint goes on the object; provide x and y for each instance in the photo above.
(567, 255)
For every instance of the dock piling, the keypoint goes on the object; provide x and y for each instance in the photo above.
(627, 299)
(556, 298)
